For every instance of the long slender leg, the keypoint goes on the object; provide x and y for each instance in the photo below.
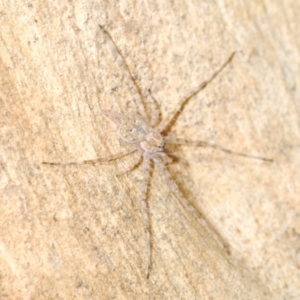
(173, 140)
(145, 212)
(133, 166)
(154, 110)
(187, 205)
(175, 190)
(132, 82)
(172, 116)
(92, 161)
(112, 116)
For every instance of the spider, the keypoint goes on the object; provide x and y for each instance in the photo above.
(142, 135)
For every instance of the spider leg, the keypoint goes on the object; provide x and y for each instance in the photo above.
(92, 161)
(132, 167)
(145, 213)
(132, 82)
(168, 121)
(175, 190)
(112, 116)
(187, 205)
(154, 110)
(173, 140)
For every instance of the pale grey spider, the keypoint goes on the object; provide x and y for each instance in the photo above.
(141, 135)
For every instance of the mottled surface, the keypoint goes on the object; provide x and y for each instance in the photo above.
(76, 232)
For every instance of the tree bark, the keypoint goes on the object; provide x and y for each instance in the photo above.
(76, 232)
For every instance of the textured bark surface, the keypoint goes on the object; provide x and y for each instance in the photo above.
(76, 232)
